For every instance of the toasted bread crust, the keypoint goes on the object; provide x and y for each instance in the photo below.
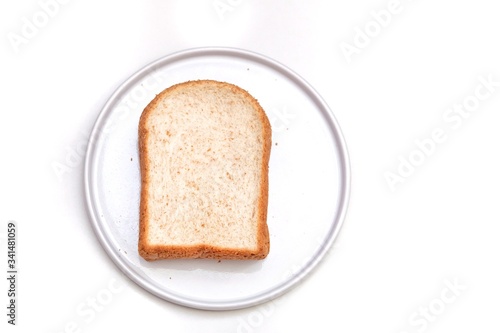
(153, 252)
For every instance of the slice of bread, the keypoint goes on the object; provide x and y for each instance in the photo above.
(204, 150)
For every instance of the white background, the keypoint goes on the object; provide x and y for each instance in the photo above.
(428, 245)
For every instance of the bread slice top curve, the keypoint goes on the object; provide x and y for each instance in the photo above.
(204, 150)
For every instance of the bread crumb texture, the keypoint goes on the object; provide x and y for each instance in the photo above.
(204, 150)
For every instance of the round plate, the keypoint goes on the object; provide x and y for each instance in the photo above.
(308, 181)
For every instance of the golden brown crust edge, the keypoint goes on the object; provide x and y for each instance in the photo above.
(155, 252)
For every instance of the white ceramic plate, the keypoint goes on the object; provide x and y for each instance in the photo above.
(308, 181)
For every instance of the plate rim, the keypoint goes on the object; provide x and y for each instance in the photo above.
(277, 290)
